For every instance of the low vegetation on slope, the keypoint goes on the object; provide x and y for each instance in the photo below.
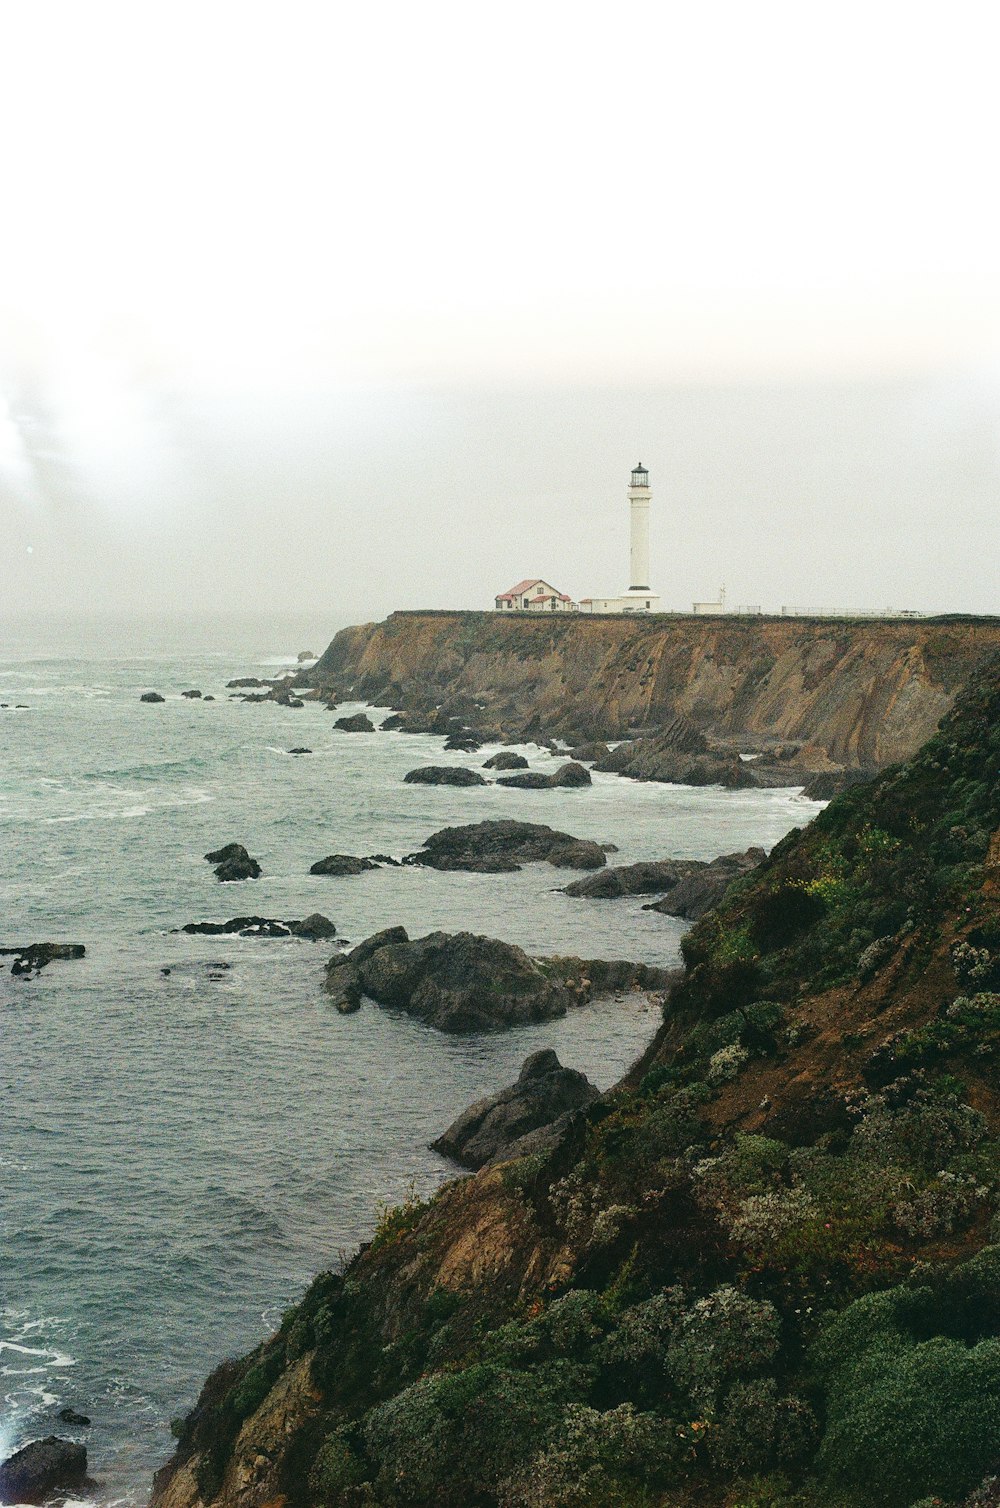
(763, 1273)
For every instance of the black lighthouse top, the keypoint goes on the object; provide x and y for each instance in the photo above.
(640, 476)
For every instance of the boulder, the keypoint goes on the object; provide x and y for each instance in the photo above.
(192, 695)
(152, 696)
(35, 1472)
(394, 722)
(465, 742)
(506, 759)
(208, 698)
(234, 863)
(443, 774)
(360, 722)
(629, 879)
(341, 864)
(246, 680)
(571, 775)
(704, 885)
(314, 928)
(304, 655)
(541, 1101)
(456, 982)
(70, 1416)
(590, 751)
(497, 847)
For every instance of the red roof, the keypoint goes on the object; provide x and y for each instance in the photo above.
(525, 586)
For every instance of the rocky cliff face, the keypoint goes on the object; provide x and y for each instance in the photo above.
(864, 693)
(764, 1268)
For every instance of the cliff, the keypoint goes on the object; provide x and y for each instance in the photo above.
(865, 693)
(760, 1271)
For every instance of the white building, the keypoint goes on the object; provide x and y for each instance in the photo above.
(638, 598)
(534, 596)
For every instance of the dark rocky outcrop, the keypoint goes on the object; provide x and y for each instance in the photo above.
(461, 982)
(341, 864)
(29, 958)
(314, 928)
(679, 755)
(506, 759)
(830, 783)
(571, 775)
(359, 722)
(42, 1468)
(192, 695)
(589, 752)
(465, 743)
(300, 751)
(234, 863)
(693, 885)
(527, 1116)
(496, 847)
(443, 774)
(152, 696)
(457, 982)
(245, 680)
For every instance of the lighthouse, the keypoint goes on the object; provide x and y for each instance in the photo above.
(638, 598)
(638, 499)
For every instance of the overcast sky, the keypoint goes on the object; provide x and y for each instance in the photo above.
(349, 307)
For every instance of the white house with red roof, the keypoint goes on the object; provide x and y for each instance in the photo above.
(535, 596)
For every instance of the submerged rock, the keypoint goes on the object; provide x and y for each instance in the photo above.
(315, 927)
(442, 774)
(31, 957)
(300, 750)
(45, 1466)
(234, 863)
(360, 722)
(497, 847)
(341, 864)
(527, 1116)
(70, 1416)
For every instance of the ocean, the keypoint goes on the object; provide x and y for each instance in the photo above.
(181, 1151)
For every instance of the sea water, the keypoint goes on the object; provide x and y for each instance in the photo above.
(188, 1131)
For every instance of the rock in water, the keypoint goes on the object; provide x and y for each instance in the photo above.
(70, 1416)
(31, 957)
(571, 775)
(464, 743)
(152, 696)
(497, 847)
(441, 774)
(693, 886)
(42, 1468)
(300, 750)
(526, 1116)
(359, 723)
(457, 981)
(234, 863)
(341, 864)
(528, 780)
(314, 928)
(506, 760)
(192, 695)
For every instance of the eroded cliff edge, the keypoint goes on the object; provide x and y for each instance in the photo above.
(866, 693)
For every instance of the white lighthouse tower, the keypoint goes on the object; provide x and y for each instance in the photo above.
(638, 497)
(638, 598)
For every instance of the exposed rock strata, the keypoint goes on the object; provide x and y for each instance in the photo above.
(528, 1116)
(867, 693)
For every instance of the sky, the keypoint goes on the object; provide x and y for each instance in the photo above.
(346, 308)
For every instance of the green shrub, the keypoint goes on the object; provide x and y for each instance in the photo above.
(337, 1468)
(904, 1417)
(600, 1460)
(718, 1339)
(756, 1428)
